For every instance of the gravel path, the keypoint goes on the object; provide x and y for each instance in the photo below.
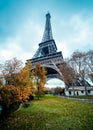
(78, 99)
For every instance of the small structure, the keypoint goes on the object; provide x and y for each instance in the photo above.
(79, 91)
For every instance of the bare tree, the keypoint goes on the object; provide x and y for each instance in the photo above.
(69, 75)
(59, 90)
(89, 63)
(10, 68)
(81, 66)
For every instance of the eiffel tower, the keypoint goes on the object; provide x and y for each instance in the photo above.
(47, 54)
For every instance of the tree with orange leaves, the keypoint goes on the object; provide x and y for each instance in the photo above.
(39, 74)
(24, 83)
(18, 85)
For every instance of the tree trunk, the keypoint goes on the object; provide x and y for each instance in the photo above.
(38, 92)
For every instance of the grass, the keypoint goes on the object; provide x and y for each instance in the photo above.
(51, 113)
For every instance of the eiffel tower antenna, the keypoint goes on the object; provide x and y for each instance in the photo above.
(48, 31)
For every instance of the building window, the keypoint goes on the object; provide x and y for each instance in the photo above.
(69, 92)
(82, 91)
(77, 93)
(89, 91)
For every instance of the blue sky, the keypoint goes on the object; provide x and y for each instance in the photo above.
(22, 25)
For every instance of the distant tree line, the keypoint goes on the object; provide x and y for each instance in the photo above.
(59, 91)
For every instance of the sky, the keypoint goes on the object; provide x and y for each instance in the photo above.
(22, 25)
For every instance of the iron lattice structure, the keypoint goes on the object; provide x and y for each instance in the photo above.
(47, 54)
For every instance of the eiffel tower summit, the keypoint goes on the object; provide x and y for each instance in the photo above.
(47, 54)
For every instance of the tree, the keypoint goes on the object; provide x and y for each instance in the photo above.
(89, 60)
(59, 90)
(18, 86)
(69, 75)
(80, 62)
(39, 74)
(77, 61)
(24, 83)
(1, 83)
(9, 94)
(89, 63)
(10, 70)
(91, 76)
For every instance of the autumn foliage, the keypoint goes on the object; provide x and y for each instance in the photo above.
(9, 94)
(18, 85)
(39, 74)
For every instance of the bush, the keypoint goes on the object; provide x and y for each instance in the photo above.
(9, 94)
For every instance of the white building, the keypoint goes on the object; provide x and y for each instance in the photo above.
(79, 91)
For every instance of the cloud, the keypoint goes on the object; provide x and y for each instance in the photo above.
(82, 28)
(23, 44)
(54, 83)
(77, 33)
(13, 49)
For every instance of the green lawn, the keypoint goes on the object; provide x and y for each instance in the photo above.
(51, 113)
